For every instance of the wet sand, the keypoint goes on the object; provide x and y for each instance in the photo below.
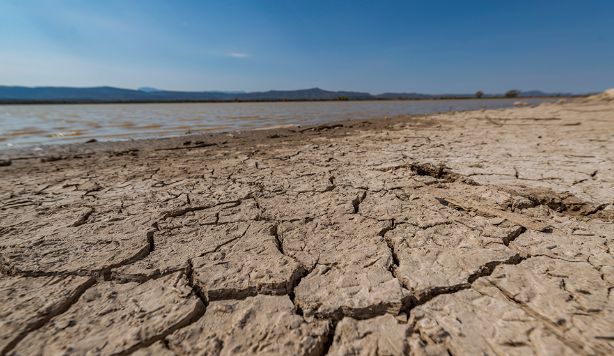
(479, 232)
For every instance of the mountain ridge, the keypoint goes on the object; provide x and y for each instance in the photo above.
(107, 93)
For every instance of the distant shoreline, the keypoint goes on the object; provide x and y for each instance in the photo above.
(79, 102)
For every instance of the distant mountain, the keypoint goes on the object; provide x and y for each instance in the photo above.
(101, 94)
(11, 93)
(148, 89)
(105, 94)
(227, 92)
(304, 94)
(404, 96)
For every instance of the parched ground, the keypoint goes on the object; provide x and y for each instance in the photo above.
(470, 233)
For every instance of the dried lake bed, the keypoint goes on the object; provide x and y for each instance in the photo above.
(463, 233)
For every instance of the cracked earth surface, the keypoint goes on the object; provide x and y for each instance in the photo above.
(471, 233)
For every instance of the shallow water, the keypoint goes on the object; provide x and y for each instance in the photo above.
(52, 124)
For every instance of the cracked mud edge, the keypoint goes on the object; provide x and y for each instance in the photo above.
(295, 279)
(321, 351)
(473, 206)
(552, 327)
(244, 293)
(302, 273)
(359, 199)
(441, 172)
(104, 273)
(83, 218)
(484, 270)
(408, 303)
(395, 258)
(562, 202)
(60, 310)
(328, 342)
(187, 320)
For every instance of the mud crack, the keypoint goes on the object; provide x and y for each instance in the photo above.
(301, 273)
(552, 327)
(484, 271)
(440, 172)
(359, 199)
(60, 310)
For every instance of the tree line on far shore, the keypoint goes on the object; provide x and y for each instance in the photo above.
(510, 94)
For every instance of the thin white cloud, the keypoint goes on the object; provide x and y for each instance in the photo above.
(238, 55)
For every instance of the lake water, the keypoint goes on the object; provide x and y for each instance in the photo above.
(51, 124)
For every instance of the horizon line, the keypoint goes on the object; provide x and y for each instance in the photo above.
(239, 92)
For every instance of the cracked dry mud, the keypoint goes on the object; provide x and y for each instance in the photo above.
(471, 233)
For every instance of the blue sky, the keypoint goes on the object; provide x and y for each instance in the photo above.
(373, 46)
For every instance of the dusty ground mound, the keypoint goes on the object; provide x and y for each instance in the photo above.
(473, 233)
(607, 96)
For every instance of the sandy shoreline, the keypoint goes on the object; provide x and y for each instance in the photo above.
(44, 125)
(239, 137)
(463, 233)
